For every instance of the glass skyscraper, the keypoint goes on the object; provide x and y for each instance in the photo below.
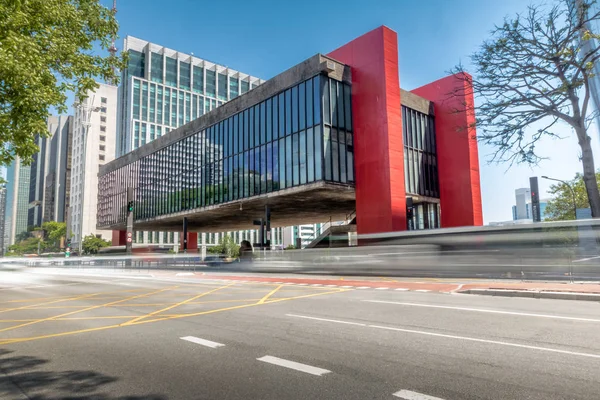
(163, 89)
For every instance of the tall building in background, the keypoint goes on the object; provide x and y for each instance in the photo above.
(589, 46)
(2, 217)
(303, 233)
(162, 89)
(93, 144)
(522, 210)
(17, 200)
(522, 198)
(49, 184)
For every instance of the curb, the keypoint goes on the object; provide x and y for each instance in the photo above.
(534, 294)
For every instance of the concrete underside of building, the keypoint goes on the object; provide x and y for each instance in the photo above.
(312, 203)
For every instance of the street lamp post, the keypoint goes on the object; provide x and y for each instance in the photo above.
(572, 193)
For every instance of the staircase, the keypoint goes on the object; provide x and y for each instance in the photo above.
(334, 234)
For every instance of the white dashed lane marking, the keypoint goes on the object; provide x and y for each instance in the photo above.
(202, 342)
(309, 369)
(410, 395)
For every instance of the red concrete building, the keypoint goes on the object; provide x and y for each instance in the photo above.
(330, 137)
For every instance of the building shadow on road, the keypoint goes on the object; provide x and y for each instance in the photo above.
(27, 377)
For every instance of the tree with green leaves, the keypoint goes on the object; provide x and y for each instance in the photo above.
(46, 51)
(533, 75)
(560, 208)
(30, 245)
(92, 244)
(54, 232)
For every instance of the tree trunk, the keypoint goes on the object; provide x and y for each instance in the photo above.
(589, 172)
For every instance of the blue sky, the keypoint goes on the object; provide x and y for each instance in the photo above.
(265, 37)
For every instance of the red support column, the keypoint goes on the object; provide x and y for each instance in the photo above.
(119, 238)
(378, 143)
(457, 153)
(192, 242)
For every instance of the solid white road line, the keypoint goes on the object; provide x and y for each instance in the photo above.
(410, 395)
(294, 365)
(402, 289)
(184, 274)
(202, 342)
(382, 288)
(422, 290)
(485, 311)
(331, 285)
(346, 287)
(586, 259)
(466, 338)
(326, 320)
(364, 287)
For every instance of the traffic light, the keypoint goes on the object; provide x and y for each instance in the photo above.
(68, 243)
(130, 206)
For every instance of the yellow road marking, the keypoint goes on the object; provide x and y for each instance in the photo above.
(49, 302)
(175, 305)
(236, 307)
(85, 309)
(272, 292)
(164, 317)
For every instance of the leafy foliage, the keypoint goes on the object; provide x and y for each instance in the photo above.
(54, 232)
(92, 244)
(560, 208)
(290, 247)
(46, 52)
(226, 247)
(27, 246)
(532, 75)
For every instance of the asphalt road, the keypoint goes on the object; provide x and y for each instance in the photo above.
(69, 337)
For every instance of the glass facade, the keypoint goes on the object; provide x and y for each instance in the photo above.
(420, 160)
(279, 143)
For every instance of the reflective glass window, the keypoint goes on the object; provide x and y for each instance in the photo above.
(136, 64)
(188, 111)
(159, 105)
(295, 160)
(156, 67)
(310, 155)
(317, 100)
(263, 122)
(180, 112)
(302, 106)
(245, 86)
(326, 101)
(309, 103)
(211, 83)
(275, 116)
(173, 107)
(184, 75)
(152, 103)
(295, 109)
(348, 107)
(223, 87)
(136, 99)
(263, 169)
(288, 161)
(334, 102)
(302, 155)
(198, 79)
(327, 152)
(275, 165)
(281, 112)
(234, 87)
(171, 71)
(288, 111)
(282, 163)
(144, 101)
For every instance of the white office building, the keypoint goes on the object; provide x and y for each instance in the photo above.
(94, 138)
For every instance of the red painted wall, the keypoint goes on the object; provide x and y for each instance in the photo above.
(378, 145)
(119, 238)
(457, 153)
(192, 241)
